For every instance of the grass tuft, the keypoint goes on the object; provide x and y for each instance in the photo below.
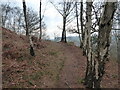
(80, 80)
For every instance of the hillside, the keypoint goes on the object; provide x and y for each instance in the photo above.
(55, 64)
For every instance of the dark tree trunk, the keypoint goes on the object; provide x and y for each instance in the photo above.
(63, 39)
(32, 53)
(40, 22)
(24, 10)
(77, 22)
(81, 20)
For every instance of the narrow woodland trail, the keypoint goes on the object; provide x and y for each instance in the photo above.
(73, 70)
(56, 65)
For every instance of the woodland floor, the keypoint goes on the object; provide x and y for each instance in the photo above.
(56, 65)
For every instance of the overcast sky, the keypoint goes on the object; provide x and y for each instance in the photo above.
(52, 18)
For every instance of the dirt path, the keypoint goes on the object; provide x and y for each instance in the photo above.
(73, 70)
(56, 65)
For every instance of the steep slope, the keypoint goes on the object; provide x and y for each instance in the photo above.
(45, 69)
(55, 64)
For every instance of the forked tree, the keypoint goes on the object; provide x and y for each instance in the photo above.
(95, 66)
(67, 7)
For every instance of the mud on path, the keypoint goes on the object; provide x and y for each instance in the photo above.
(73, 71)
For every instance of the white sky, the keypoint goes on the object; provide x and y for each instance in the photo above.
(52, 18)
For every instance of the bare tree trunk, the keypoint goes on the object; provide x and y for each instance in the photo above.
(87, 35)
(40, 22)
(67, 8)
(14, 26)
(85, 42)
(77, 22)
(118, 48)
(87, 47)
(104, 40)
(118, 37)
(96, 65)
(24, 9)
(32, 53)
(63, 39)
(81, 20)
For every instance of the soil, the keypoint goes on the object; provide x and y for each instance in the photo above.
(73, 71)
(55, 65)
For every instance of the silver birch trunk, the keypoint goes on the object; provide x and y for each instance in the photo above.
(87, 45)
(103, 41)
(95, 66)
(27, 33)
